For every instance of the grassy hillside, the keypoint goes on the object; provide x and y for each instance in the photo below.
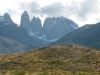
(56, 60)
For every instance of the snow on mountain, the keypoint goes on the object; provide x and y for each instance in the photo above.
(53, 28)
(8, 18)
(42, 37)
(74, 26)
(53, 24)
(52, 40)
(86, 26)
(2, 19)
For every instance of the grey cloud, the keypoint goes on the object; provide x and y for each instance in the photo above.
(82, 9)
(87, 7)
(31, 7)
(78, 9)
(55, 9)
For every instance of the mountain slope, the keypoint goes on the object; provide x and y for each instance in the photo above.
(8, 45)
(7, 17)
(25, 22)
(9, 29)
(55, 28)
(88, 35)
(36, 26)
(16, 33)
(56, 60)
(52, 30)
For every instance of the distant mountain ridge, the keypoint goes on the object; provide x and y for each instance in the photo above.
(88, 35)
(8, 45)
(15, 34)
(52, 30)
(31, 34)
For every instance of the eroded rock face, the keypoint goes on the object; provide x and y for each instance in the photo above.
(55, 28)
(36, 26)
(8, 18)
(15, 39)
(25, 22)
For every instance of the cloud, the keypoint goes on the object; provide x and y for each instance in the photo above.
(87, 7)
(31, 7)
(80, 11)
(51, 10)
(55, 9)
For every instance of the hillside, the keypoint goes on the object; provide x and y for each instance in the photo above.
(55, 60)
(10, 34)
(88, 35)
(8, 45)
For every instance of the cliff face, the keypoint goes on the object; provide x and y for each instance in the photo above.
(14, 38)
(36, 26)
(25, 22)
(53, 28)
(8, 18)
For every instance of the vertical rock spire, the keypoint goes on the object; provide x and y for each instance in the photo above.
(8, 18)
(36, 26)
(25, 22)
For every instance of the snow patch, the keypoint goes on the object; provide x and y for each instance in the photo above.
(86, 27)
(53, 24)
(52, 40)
(31, 34)
(74, 26)
(2, 19)
(42, 37)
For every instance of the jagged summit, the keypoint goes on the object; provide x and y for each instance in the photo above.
(53, 28)
(25, 13)
(25, 22)
(2, 20)
(36, 26)
(8, 18)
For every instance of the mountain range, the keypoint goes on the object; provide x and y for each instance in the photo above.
(51, 30)
(15, 37)
(31, 34)
(54, 31)
(87, 35)
(38, 53)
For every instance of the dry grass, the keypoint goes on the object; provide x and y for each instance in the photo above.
(55, 60)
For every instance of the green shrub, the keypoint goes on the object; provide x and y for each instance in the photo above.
(19, 73)
(44, 73)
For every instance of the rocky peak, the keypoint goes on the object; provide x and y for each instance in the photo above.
(48, 24)
(8, 18)
(25, 22)
(2, 19)
(55, 28)
(25, 13)
(36, 26)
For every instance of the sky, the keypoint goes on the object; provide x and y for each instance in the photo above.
(80, 11)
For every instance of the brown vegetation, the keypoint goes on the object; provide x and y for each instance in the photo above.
(55, 60)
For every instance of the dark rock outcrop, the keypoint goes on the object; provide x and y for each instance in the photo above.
(17, 35)
(52, 30)
(25, 22)
(8, 18)
(36, 26)
(88, 35)
(55, 28)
